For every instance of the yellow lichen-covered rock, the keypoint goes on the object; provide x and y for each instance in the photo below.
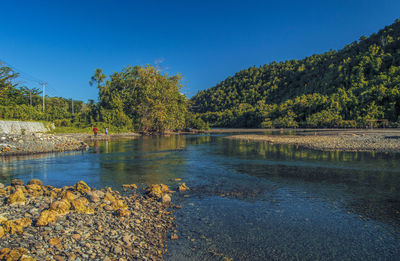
(46, 217)
(123, 213)
(53, 192)
(17, 197)
(166, 198)
(119, 204)
(25, 222)
(157, 190)
(183, 187)
(54, 241)
(2, 231)
(69, 196)
(34, 190)
(35, 182)
(2, 192)
(82, 187)
(2, 220)
(17, 182)
(14, 254)
(12, 227)
(16, 226)
(129, 186)
(80, 206)
(109, 197)
(61, 207)
(26, 258)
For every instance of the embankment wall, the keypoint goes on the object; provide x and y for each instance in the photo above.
(23, 127)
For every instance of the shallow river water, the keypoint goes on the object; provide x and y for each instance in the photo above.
(248, 201)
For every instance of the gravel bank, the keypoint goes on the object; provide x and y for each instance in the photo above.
(342, 141)
(77, 222)
(14, 144)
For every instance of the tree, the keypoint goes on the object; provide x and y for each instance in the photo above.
(98, 78)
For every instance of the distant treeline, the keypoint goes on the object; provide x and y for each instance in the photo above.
(356, 86)
(136, 99)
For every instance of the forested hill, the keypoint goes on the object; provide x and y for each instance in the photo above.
(353, 86)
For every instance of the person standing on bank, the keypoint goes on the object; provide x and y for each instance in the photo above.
(95, 130)
(106, 130)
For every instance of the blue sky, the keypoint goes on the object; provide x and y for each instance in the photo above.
(63, 42)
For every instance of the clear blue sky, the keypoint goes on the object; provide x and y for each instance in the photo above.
(63, 42)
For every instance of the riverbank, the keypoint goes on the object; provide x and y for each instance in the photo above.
(334, 140)
(35, 143)
(18, 144)
(81, 223)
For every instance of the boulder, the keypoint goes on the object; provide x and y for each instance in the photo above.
(17, 197)
(35, 182)
(118, 204)
(46, 217)
(123, 213)
(81, 187)
(166, 198)
(129, 186)
(79, 206)
(34, 190)
(13, 255)
(61, 207)
(69, 196)
(2, 231)
(16, 226)
(17, 182)
(157, 190)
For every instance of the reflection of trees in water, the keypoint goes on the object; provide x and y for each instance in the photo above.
(368, 184)
(11, 165)
(148, 160)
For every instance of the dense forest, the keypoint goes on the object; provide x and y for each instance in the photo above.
(357, 86)
(135, 99)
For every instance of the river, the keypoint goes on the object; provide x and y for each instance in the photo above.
(248, 201)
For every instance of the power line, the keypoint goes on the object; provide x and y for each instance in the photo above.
(33, 78)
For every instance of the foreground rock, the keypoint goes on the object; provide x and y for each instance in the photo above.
(81, 223)
(13, 144)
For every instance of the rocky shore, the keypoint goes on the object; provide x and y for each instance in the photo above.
(39, 222)
(340, 141)
(16, 144)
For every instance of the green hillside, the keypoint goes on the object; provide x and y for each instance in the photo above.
(353, 86)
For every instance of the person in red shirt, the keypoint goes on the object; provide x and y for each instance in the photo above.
(95, 130)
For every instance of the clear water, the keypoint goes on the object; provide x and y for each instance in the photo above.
(248, 201)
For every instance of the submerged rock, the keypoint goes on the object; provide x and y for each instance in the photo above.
(157, 190)
(129, 186)
(183, 187)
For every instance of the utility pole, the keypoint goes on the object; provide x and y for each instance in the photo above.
(43, 86)
(72, 101)
(30, 97)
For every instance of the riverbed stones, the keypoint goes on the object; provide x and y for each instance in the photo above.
(136, 226)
